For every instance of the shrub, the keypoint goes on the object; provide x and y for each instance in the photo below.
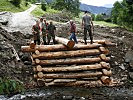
(43, 7)
(16, 2)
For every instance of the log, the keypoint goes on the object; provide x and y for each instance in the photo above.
(107, 72)
(103, 50)
(58, 47)
(71, 76)
(15, 53)
(97, 83)
(105, 79)
(64, 80)
(32, 45)
(69, 61)
(65, 54)
(66, 42)
(70, 68)
(104, 42)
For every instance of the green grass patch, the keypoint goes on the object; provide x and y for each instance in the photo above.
(39, 12)
(6, 5)
(103, 23)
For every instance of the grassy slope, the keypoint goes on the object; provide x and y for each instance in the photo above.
(39, 12)
(5, 5)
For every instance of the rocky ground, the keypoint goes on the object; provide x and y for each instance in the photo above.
(121, 64)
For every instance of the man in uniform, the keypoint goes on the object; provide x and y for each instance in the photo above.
(51, 32)
(87, 24)
(36, 33)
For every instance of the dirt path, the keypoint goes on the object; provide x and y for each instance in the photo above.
(22, 21)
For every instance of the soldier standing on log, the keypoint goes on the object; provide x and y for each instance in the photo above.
(51, 32)
(87, 24)
(72, 31)
(36, 33)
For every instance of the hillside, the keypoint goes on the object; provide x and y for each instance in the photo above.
(94, 9)
(6, 5)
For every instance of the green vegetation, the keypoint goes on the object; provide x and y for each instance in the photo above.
(68, 5)
(10, 87)
(103, 23)
(39, 12)
(6, 5)
(122, 13)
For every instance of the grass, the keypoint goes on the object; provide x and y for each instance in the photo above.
(6, 5)
(103, 23)
(39, 12)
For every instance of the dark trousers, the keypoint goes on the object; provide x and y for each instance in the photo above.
(73, 36)
(88, 29)
(37, 40)
(49, 37)
(44, 38)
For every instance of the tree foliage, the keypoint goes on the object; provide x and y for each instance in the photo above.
(122, 13)
(16, 2)
(99, 17)
(69, 5)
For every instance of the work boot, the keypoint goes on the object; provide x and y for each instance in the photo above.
(91, 42)
(85, 43)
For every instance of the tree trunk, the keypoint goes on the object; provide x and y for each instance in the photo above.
(68, 61)
(71, 76)
(69, 69)
(66, 54)
(107, 72)
(103, 50)
(66, 42)
(97, 83)
(104, 42)
(58, 47)
(32, 45)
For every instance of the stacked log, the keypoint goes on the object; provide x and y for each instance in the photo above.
(71, 64)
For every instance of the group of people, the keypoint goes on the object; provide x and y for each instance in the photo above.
(47, 30)
(44, 29)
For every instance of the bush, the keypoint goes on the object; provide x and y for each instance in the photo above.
(107, 20)
(43, 7)
(10, 87)
(16, 2)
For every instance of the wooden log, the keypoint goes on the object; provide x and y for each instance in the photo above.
(15, 54)
(64, 80)
(66, 42)
(107, 72)
(70, 68)
(104, 42)
(97, 83)
(37, 52)
(32, 45)
(71, 76)
(58, 47)
(69, 61)
(105, 79)
(66, 54)
(103, 50)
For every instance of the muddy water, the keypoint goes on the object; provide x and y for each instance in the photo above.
(69, 93)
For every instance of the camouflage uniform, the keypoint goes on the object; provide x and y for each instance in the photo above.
(44, 32)
(36, 34)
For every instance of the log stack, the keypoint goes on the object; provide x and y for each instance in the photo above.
(70, 64)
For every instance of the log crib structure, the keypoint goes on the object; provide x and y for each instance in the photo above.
(70, 64)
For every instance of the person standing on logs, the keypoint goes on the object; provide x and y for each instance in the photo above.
(43, 25)
(87, 24)
(51, 32)
(72, 31)
(36, 33)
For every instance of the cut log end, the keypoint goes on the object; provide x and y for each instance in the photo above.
(105, 65)
(39, 68)
(105, 80)
(37, 61)
(32, 45)
(70, 44)
(37, 52)
(40, 75)
(106, 72)
(104, 50)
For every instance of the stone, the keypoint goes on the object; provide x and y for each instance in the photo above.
(67, 97)
(131, 75)
(122, 67)
(27, 62)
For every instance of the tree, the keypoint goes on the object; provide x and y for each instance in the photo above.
(68, 5)
(99, 17)
(122, 13)
(93, 16)
(16, 2)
